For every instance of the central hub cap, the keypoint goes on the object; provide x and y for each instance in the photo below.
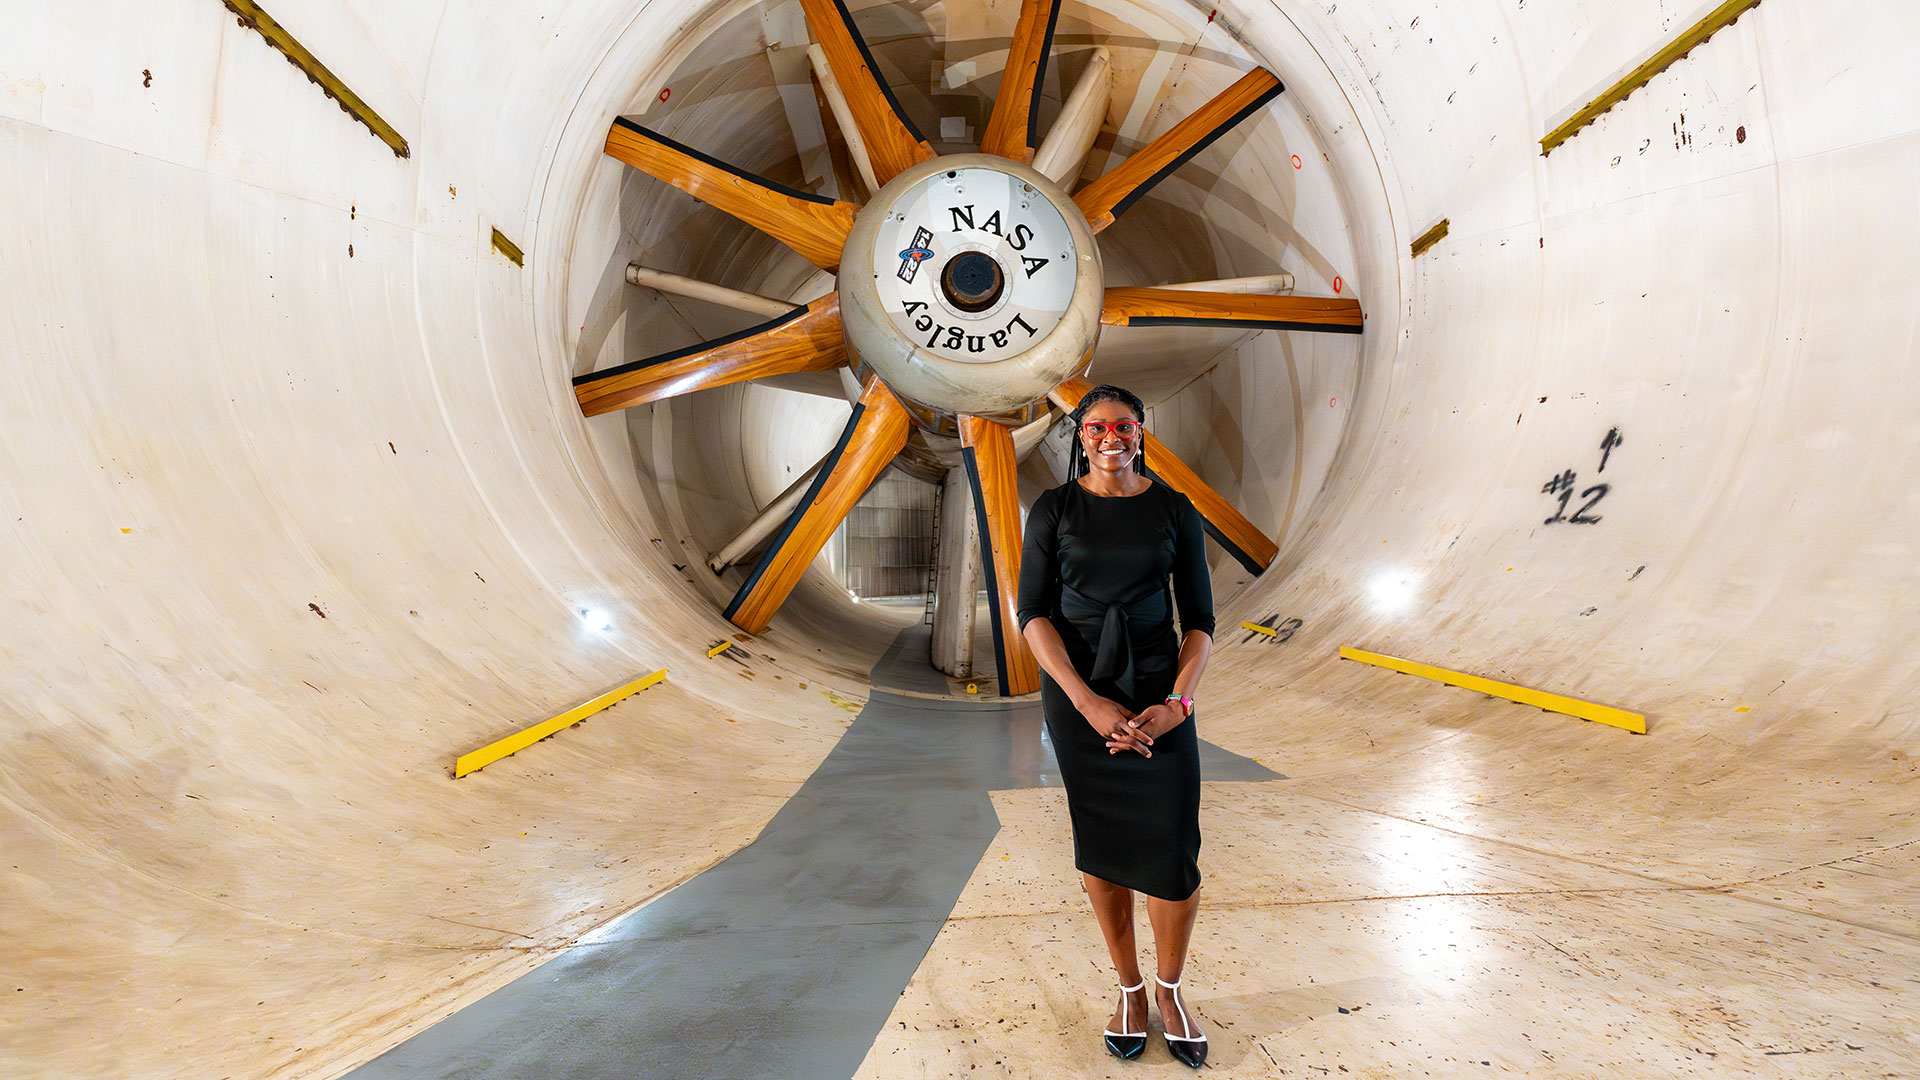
(971, 284)
(972, 281)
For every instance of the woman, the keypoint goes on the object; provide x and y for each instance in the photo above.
(1118, 696)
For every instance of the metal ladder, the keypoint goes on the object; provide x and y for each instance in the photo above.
(933, 554)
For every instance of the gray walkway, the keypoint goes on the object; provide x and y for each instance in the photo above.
(785, 959)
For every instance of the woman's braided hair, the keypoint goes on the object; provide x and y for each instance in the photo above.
(1078, 465)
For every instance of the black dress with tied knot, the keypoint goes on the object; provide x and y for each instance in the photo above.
(1099, 568)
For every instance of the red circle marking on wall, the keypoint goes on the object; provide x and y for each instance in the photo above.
(1331, 402)
(666, 92)
(1296, 161)
(1336, 284)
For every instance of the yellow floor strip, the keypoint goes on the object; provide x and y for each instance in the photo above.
(1258, 629)
(718, 649)
(493, 752)
(1585, 710)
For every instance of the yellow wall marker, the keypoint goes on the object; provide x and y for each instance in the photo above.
(1585, 710)
(508, 248)
(493, 752)
(718, 649)
(1258, 629)
(1429, 238)
(310, 66)
(1663, 58)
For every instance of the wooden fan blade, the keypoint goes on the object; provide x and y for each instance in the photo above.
(1228, 526)
(813, 225)
(1016, 107)
(987, 449)
(1128, 306)
(1110, 196)
(893, 143)
(808, 338)
(875, 433)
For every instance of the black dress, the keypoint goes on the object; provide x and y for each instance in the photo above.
(1098, 568)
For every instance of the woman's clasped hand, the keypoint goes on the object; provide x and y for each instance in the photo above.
(1125, 729)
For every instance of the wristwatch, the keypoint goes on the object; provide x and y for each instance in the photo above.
(1182, 700)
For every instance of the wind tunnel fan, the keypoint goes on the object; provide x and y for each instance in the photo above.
(970, 295)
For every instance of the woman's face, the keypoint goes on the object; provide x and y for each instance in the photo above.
(1109, 451)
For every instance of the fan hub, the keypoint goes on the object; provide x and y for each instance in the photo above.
(972, 281)
(971, 284)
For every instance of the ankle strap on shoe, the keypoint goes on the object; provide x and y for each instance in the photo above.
(1185, 1021)
(1141, 985)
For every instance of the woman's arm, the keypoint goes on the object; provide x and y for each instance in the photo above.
(1193, 595)
(1044, 639)
(1195, 647)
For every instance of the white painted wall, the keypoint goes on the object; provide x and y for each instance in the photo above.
(255, 365)
(1720, 288)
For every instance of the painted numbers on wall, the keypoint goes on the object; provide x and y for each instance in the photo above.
(1566, 483)
(1276, 630)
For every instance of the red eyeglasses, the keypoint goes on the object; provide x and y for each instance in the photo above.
(1097, 429)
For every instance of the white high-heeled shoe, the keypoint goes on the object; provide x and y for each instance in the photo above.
(1188, 1050)
(1127, 1045)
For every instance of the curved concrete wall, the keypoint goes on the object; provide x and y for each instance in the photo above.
(298, 506)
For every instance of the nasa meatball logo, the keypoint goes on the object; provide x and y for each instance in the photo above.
(911, 258)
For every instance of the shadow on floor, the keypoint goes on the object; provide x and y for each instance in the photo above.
(787, 957)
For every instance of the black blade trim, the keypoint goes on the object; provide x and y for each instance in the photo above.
(987, 567)
(873, 69)
(760, 328)
(1219, 537)
(1040, 79)
(1147, 185)
(679, 147)
(1247, 324)
(779, 540)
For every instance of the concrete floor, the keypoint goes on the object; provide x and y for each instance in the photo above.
(913, 911)
(786, 958)
(295, 506)
(1438, 901)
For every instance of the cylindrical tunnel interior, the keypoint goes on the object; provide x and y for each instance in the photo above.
(742, 91)
(298, 505)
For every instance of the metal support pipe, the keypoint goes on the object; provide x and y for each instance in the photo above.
(957, 580)
(1064, 150)
(843, 116)
(762, 527)
(1263, 283)
(1027, 436)
(764, 306)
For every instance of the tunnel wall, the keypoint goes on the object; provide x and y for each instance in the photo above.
(300, 505)
(1704, 271)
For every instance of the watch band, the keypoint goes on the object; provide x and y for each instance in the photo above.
(1185, 703)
